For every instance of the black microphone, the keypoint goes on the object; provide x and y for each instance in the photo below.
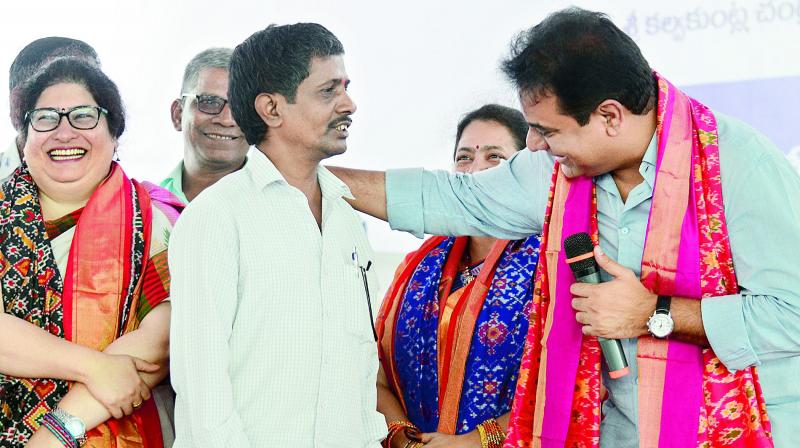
(580, 257)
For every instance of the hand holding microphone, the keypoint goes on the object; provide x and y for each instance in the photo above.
(579, 251)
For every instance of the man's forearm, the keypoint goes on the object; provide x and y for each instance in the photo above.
(368, 188)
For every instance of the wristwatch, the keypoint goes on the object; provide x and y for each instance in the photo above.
(72, 424)
(660, 324)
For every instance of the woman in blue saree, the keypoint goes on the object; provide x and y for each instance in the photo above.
(452, 326)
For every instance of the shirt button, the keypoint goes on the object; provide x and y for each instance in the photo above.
(624, 230)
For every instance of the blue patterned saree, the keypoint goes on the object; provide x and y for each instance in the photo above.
(450, 341)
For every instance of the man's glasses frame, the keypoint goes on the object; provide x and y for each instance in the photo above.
(73, 115)
(206, 103)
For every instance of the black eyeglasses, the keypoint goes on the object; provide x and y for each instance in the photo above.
(79, 117)
(208, 104)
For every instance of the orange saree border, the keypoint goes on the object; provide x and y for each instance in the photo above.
(387, 315)
(458, 316)
(95, 289)
(460, 332)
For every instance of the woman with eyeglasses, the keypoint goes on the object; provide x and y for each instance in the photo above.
(83, 265)
(452, 326)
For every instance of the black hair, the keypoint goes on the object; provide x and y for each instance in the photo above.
(37, 54)
(274, 60)
(76, 71)
(583, 59)
(40, 51)
(511, 119)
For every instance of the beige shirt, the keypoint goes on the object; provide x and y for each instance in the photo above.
(271, 343)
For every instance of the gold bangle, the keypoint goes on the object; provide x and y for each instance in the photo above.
(492, 435)
(400, 425)
(484, 438)
(395, 427)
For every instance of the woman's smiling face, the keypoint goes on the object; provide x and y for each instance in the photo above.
(66, 158)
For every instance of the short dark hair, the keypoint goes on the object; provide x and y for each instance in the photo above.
(274, 60)
(583, 59)
(509, 118)
(75, 71)
(40, 51)
(37, 54)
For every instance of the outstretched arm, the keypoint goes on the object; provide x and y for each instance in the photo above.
(368, 188)
(507, 201)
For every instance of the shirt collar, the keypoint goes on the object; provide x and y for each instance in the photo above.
(647, 168)
(332, 187)
(263, 172)
(174, 182)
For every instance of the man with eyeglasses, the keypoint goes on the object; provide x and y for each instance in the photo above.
(28, 61)
(213, 145)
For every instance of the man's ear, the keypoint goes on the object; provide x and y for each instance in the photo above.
(612, 114)
(176, 113)
(268, 108)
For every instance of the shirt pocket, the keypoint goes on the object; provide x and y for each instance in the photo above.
(361, 349)
(359, 293)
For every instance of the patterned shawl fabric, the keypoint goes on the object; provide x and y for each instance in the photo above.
(687, 397)
(99, 299)
(451, 351)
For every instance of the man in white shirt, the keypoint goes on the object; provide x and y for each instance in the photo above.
(271, 337)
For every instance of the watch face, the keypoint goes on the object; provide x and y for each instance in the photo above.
(75, 427)
(660, 325)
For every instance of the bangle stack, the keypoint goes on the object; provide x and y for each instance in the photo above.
(492, 435)
(406, 428)
(413, 444)
(56, 427)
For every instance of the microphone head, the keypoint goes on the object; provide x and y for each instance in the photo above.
(579, 244)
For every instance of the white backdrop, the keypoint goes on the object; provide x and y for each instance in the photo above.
(416, 66)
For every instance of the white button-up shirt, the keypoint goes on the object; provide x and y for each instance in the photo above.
(271, 342)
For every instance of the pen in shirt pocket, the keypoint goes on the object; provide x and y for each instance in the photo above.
(363, 269)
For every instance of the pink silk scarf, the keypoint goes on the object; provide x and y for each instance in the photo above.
(687, 397)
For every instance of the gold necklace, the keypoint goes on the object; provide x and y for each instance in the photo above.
(466, 276)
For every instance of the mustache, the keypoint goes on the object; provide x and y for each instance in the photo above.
(344, 119)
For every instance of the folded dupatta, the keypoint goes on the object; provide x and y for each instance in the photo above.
(687, 397)
(102, 296)
(452, 353)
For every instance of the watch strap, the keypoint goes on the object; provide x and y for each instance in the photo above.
(65, 418)
(662, 304)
